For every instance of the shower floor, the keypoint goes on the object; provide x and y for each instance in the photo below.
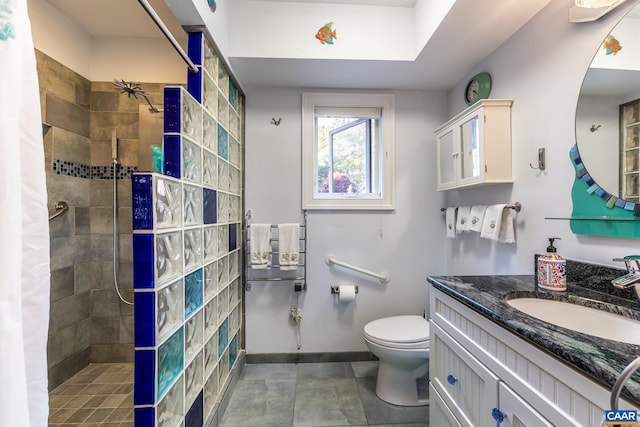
(98, 395)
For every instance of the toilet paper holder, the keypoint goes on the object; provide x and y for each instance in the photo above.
(336, 289)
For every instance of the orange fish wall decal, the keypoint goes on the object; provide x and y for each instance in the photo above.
(326, 34)
(611, 45)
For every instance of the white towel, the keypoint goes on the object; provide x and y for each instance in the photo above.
(477, 217)
(450, 217)
(289, 249)
(464, 219)
(498, 224)
(260, 244)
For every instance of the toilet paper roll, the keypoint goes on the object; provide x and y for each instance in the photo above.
(347, 293)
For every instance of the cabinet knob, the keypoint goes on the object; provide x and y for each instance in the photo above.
(451, 379)
(497, 415)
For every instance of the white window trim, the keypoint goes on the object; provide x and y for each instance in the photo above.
(345, 201)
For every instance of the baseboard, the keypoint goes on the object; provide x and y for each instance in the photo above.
(348, 356)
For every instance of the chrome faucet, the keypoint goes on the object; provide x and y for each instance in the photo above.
(624, 376)
(632, 278)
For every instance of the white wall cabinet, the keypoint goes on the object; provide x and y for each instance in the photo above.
(476, 366)
(474, 147)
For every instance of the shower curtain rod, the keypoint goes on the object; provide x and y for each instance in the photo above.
(152, 13)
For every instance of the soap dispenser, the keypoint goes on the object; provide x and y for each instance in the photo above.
(552, 269)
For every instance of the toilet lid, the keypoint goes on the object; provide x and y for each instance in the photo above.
(400, 329)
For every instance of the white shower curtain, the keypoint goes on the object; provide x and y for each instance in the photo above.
(24, 228)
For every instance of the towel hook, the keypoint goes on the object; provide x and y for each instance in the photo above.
(276, 122)
(541, 165)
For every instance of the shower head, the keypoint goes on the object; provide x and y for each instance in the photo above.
(134, 89)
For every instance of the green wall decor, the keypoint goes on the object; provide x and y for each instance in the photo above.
(597, 212)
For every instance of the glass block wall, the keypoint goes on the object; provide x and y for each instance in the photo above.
(187, 250)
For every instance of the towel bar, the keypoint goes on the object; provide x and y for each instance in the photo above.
(517, 206)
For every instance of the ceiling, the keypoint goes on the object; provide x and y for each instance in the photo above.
(460, 43)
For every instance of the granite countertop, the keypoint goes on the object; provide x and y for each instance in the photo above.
(599, 359)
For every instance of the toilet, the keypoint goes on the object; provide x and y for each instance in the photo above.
(401, 343)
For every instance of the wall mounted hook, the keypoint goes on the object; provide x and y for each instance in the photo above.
(541, 165)
(594, 128)
(276, 122)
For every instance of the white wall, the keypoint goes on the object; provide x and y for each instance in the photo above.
(288, 30)
(541, 68)
(150, 60)
(407, 243)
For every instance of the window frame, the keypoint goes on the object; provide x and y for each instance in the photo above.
(386, 151)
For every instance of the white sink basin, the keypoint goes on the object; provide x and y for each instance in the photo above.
(582, 319)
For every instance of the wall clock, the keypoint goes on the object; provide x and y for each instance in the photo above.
(479, 87)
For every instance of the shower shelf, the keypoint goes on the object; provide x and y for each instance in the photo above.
(273, 273)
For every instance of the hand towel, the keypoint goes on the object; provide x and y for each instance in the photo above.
(464, 219)
(260, 245)
(498, 224)
(476, 216)
(451, 221)
(289, 249)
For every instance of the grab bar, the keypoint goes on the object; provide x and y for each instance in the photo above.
(383, 277)
(60, 207)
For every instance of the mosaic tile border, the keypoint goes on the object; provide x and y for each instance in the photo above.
(79, 170)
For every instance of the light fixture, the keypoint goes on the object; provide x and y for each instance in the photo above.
(591, 10)
(595, 4)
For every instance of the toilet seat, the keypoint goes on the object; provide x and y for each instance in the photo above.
(402, 332)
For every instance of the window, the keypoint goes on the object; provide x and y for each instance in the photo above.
(348, 151)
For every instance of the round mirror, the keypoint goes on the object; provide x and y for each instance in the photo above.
(608, 111)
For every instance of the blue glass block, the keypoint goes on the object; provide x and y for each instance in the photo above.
(233, 237)
(144, 417)
(209, 206)
(143, 261)
(144, 377)
(223, 143)
(599, 191)
(170, 361)
(233, 95)
(194, 47)
(195, 415)
(605, 195)
(172, 154)
(194, 84)
(142, 194)
(629, 206)
(620, 203)
(172, 109)
(223, 337)
(144, 319)
(193, 292)
(233, 351)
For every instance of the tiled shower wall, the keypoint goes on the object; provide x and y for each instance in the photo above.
(88, 323)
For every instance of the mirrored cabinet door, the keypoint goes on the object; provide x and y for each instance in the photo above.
(446, 161)
(470, 160)
(630, 151)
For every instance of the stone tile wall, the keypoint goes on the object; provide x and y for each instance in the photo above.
(88, 323)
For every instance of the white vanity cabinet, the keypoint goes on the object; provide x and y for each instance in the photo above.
(480, 372)
(474, 147)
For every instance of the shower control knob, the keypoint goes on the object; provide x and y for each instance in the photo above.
(451, 379)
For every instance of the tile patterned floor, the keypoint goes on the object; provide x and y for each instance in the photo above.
(266, 395)
(314, 395)
(100, 395)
